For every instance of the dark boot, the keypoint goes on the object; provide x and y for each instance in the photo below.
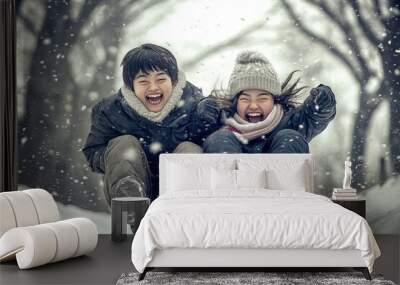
(126, 169)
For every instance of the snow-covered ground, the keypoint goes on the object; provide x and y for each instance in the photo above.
(383, 207)
(101, 219)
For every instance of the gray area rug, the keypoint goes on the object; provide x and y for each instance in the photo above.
(269, 278)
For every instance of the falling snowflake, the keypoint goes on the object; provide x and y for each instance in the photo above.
(112, 49)
(130, 154)
(93, 95)
(181, 103)
(155, 147)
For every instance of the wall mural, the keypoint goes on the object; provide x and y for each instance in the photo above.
(69, 55)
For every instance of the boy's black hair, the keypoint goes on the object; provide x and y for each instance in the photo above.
(147, 58)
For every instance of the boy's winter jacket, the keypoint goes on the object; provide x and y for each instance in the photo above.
(193, 119)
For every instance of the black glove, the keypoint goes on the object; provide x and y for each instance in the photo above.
(323, 98)
(180, 127)
(207, 110)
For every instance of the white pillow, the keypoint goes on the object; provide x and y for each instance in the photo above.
(223, 179)
(293, 179)
(231, 180)
(251, 178)
(282, 174)
(188, 177)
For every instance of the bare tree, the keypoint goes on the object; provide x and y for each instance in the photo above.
(241, 37)
(44, 129)
(368, 47)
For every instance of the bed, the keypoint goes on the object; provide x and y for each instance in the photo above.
(247, 210)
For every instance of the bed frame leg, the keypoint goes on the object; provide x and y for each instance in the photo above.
(364, 271)
(143, 274)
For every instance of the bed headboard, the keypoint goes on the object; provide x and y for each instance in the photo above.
(211, 159)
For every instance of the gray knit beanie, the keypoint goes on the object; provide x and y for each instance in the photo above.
(253, 71)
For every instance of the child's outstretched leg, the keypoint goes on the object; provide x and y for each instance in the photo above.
(222, 141)
(126, 169)
(288, 141)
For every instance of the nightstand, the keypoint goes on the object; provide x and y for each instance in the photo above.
(357, 206)
(121, 207)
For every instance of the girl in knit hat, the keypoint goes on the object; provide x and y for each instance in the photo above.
(262, 116)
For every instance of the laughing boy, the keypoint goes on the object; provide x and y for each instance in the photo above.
(155, 111)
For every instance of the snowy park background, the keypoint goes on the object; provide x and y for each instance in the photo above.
(69, 52)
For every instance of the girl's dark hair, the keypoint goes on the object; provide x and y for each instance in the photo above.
(147, 58)
(290, 97)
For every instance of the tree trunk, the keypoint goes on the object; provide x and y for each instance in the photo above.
(102, 84)
(391, 59)
(44, 132)
(394, 130)
(358, 146)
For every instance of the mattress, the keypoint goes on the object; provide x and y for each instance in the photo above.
(250, 218)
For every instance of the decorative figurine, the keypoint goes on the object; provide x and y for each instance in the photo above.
(347, 175)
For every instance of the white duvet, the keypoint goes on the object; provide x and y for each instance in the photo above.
(251, 218)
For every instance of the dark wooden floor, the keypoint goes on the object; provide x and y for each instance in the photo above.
(110, 260)
(102, 266)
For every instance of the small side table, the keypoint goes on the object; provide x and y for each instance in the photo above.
(121, 207)
(357, 206)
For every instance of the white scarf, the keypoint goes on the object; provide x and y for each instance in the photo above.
(133, 101)
(247, 131)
